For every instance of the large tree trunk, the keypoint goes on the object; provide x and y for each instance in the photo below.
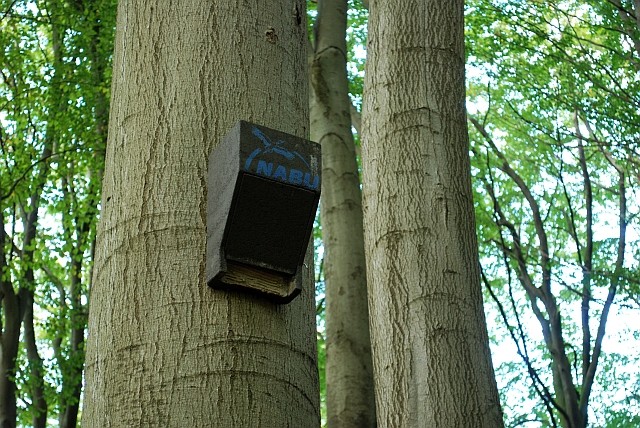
(349, 374)
(430, 345)
(163, 348)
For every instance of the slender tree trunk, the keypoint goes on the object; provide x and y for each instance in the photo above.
(72, 376)
(163, 348)
(349, 373)
(430, 346)
(39, 406)
(10, 338)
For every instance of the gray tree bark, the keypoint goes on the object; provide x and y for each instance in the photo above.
(163, 348)
(349, 373)
(430, 346)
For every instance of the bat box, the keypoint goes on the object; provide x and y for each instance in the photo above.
(263, 191)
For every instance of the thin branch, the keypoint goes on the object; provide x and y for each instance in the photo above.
(588, 253)
(43, 159)
(551, 327)
(8, 11)
(541, 389)
(587, 382)
(533, 205)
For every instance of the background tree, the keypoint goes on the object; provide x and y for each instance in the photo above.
(430, 346)
(555, 157)
(79, 180)
(163, 348)
(349, 376)
(25, 154)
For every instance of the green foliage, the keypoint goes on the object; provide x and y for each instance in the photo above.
(54, 76)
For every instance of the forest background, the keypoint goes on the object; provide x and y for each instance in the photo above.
(553, 101)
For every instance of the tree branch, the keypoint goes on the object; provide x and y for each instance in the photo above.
(588, 256)
(533, 205)
(587, 382)
(551, 327)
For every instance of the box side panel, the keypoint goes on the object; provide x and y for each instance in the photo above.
(221, 181)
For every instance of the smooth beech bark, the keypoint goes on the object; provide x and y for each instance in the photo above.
(349, 373)
(430, 346)
(164, 349)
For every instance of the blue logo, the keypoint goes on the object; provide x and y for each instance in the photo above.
(297, 177)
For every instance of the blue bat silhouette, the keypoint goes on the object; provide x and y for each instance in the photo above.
(277, 147)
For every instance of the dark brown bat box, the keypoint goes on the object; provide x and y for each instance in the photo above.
(263, 191)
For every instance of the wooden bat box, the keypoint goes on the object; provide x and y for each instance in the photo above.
(263, 192)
